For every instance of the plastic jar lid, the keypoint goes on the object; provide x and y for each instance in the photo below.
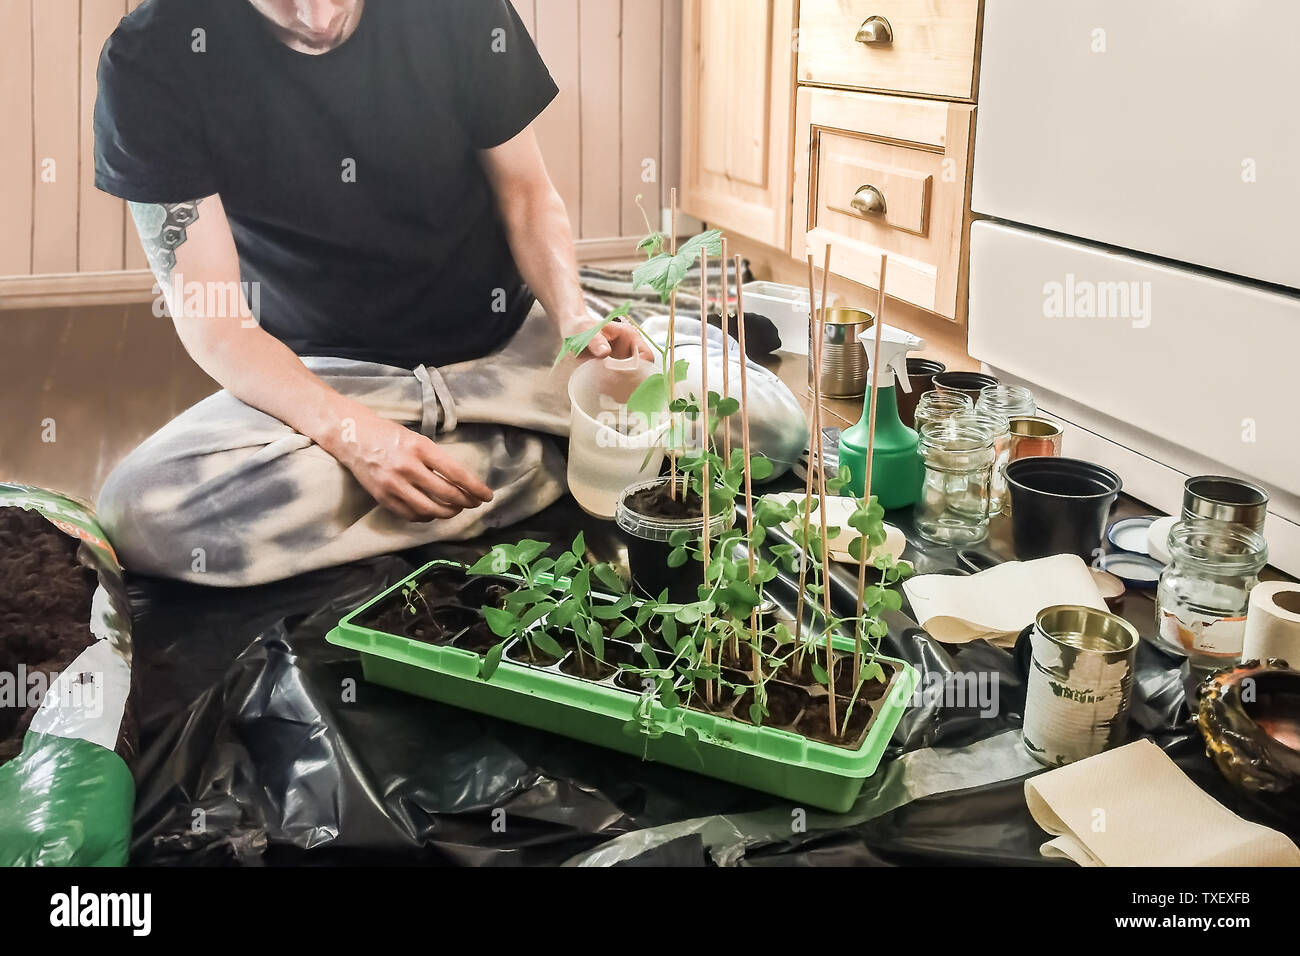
(654, 528)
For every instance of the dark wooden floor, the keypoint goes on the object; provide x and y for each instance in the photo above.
(105, 377)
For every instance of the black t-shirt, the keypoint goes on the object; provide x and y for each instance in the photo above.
(350, 178)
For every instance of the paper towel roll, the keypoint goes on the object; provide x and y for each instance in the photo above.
(1273, 623)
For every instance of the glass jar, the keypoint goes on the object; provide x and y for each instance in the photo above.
(935, 405)
(1001, 428)
(1009, 401)
(1203, 594)
(958, 454)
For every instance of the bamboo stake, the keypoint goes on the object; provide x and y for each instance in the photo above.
(734, 643)
(815, 427)
(745, 450)
(705, 483)
(821, 506)
(672, 340)
(871, 445)
(726, 365)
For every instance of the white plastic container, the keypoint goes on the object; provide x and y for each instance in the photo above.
(787, 307)
(608, 448)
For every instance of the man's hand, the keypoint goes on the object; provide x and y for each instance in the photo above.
(408, 474)
(620, 339)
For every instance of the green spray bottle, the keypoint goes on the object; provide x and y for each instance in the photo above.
(896, 468)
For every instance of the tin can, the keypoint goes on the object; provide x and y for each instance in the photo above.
(844, 360)
(1080, 683)
(1229, 500)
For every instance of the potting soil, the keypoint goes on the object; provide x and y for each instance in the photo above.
(66, 731)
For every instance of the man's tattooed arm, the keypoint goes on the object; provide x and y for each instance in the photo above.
(162, 231)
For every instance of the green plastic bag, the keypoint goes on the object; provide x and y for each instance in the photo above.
(66, 799)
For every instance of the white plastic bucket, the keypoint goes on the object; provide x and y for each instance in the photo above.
(787, 307)
(608, 448)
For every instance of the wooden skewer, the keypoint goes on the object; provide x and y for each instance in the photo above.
(865, 546)
(672, 339)
(815, 427)
(821, 503)
(745, 451)
(705, 482)
(726, 364)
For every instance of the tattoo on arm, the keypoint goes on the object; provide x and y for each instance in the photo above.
(162, 231)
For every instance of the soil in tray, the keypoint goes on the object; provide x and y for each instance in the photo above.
(441, 624)
(595, 670)
(445, 603)
(45, 597)
(723, 696)
(657, 501)
(815, 723)
(478, 637)
(518, 652)
(784, 705)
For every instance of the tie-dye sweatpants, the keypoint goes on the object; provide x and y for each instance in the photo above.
(229, 496)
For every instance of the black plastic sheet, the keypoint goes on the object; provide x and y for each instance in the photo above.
(262, 744)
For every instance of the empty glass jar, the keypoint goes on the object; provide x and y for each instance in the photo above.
(1008, 401)
(958, 454)
(1001, 428)
(934, 406)
(1204, 592)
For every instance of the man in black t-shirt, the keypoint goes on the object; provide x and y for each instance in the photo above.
(347, 213)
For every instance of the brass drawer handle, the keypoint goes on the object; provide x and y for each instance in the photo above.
(869, 201)
(875, 30)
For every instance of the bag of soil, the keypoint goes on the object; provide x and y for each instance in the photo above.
(66, 737)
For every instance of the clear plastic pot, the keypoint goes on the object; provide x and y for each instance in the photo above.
(609, 448)
(648, 544)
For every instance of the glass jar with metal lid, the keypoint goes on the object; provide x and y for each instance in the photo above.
(1203, 594)
(958, 455)
(1001, 428)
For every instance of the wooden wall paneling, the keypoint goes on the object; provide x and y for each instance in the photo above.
(101, 228)
(527, 10)
(56, 93)
(16, 178)
(559, 129)
(601, 23)
(134, 252)
(670, 109)
(642, 89)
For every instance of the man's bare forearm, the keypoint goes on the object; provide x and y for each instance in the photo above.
(262, 372)
(188, 242)
(541, 241)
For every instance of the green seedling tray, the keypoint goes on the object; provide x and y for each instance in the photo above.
(772, 760)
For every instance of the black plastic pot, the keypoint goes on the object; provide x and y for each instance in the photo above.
(1059, 506)
(648, 546)
(920, 375)
(968, 382)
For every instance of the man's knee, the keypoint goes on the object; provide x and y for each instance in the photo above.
(149, 521)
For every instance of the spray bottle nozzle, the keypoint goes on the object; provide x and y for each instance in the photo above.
(894, 346)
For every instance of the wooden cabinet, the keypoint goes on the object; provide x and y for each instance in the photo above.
(884, 173)
(877, 158)
(737, 99)
(909, 46)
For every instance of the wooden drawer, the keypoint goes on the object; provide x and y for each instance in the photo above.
(915, 155)
(931, 51)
